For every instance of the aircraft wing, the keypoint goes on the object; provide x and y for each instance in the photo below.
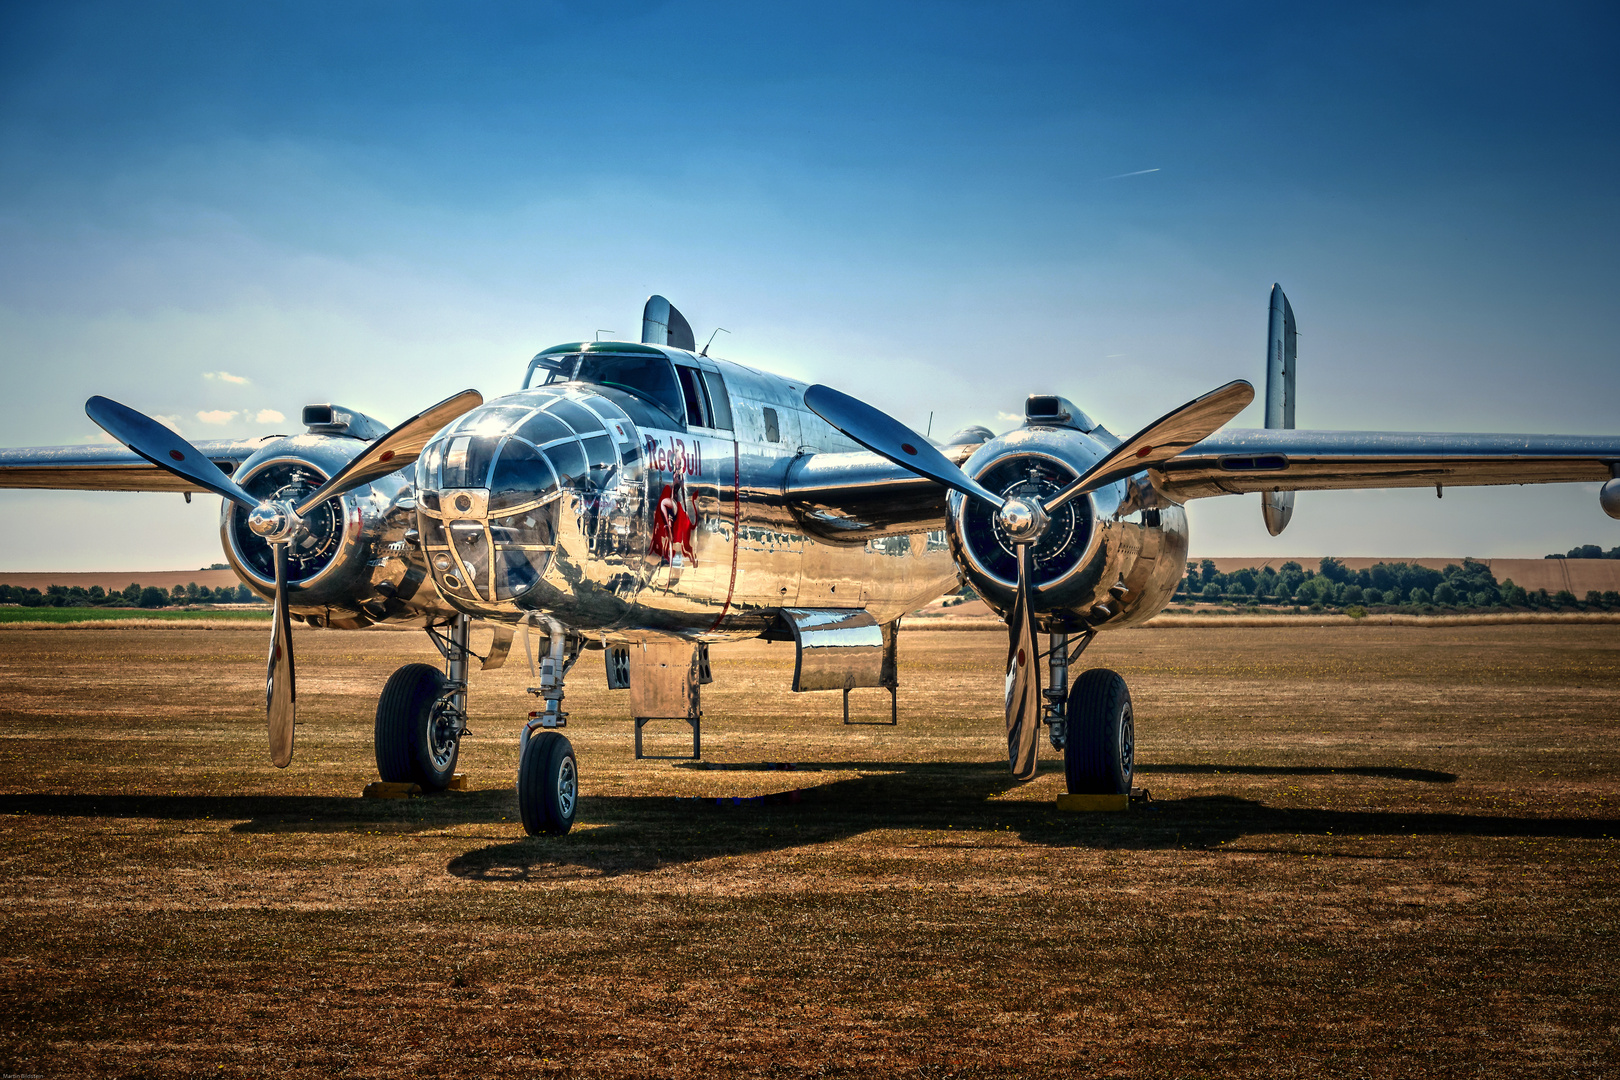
(108, 467)
(1236, 461)
(850, 498)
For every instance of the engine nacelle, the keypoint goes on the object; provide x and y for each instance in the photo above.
(1112, 557)
(352, 565)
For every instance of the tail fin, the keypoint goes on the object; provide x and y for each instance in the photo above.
(663, 324)
(1281, 349)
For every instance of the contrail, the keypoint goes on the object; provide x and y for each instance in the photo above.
(1123, 175)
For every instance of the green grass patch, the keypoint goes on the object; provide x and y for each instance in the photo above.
(98, 614)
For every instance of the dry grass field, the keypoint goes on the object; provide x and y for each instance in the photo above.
(1371, 851)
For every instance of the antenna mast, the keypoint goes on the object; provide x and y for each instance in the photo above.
(706, 344)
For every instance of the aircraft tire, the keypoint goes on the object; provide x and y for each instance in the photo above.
(548, 784)
(1099, 754)
(404, 736)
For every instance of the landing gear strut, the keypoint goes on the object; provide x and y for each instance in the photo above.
(548, 773)
(422, 715)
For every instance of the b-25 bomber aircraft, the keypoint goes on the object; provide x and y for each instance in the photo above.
(647, 500)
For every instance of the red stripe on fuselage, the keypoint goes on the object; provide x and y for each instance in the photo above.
(736, 528)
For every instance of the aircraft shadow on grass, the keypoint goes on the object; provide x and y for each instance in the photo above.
(628, 835)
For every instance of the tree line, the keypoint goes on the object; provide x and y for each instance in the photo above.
(1588, 551)
(135, 595)
(1386, 586)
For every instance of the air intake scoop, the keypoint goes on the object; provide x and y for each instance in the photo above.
(331, 419)
(1049, 410)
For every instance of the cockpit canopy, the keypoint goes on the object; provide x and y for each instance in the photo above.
(526, 446)
(679, 394)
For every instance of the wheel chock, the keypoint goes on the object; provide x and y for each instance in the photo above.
(1100, 803)
(379, 789)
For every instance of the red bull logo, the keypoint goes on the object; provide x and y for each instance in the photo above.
(673, 455)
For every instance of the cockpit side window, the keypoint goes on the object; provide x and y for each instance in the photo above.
(692, 393)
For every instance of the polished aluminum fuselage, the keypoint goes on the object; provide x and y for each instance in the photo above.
(595, 555)
(734, 557)
(661, 527)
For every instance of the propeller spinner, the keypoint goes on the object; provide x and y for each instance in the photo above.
(278, 522)
(1025, 519)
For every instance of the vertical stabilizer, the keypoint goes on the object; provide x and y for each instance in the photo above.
(1281, 349)
(663, 324)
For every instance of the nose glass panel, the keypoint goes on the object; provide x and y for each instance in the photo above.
(522, 476)
(491, 488)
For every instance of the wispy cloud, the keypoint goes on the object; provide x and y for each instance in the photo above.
(1123, 175)
(269, 416)
(217, 416)
(225, 376)
(1008, 416)
(170, 422)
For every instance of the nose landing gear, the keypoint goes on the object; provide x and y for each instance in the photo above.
(548, 773)
(548, 784)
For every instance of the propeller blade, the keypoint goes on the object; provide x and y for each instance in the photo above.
(1162, 440)
(280, 692)
(1023, 678)
(164, 448)
(393, 451)
(887, 437)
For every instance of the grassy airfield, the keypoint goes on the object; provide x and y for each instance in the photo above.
(1371, 851)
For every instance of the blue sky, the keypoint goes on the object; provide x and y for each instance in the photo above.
(925, 205)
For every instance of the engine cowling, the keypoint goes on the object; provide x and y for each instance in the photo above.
(352, 566)
(1111, 557)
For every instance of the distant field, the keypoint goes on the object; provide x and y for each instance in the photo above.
(118, 579)
(93, 614)
(1372, 851)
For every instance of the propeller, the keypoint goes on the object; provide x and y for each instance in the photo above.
(887, 437)
(1024, 519)
(393, 451)
(1023, 678)
(280, 683)
(1162, 440)
(277, 522)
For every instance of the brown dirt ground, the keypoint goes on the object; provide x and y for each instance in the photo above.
(1370, 852)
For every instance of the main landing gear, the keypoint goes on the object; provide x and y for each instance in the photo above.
(1091, 723)
(422, 715)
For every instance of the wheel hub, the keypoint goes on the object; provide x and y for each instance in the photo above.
(444, 732)
(567, 786)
